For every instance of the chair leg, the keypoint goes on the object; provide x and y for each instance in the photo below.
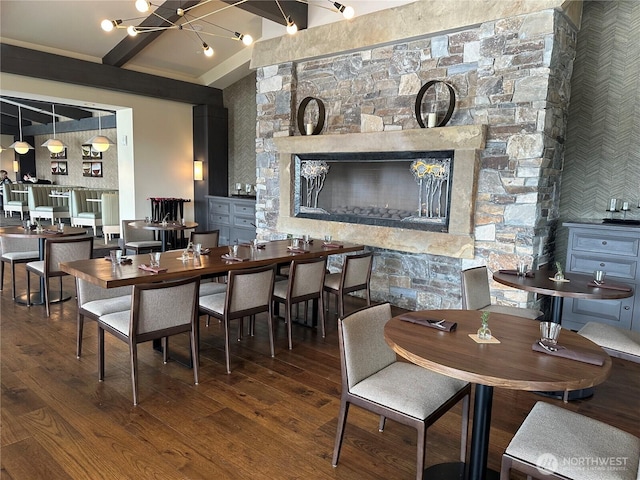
(133, 351)
(226, 343)
(28, 288)
(341, 304)
(383, 419)
(164, 341)
(288, 319)
(270, 325)
(422, 444)
(464, 434)
(2, 275)
(13, 280)
(79, 328)
(46, 294)
(195, 354)
(505, 467)
(342, 420)
(100, 353)
(321, 315)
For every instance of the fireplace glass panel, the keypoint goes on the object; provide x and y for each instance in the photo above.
(403, 190)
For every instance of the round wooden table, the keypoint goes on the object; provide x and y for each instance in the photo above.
(511, 364)
(163, 228)
(37, 298)
(577, 287)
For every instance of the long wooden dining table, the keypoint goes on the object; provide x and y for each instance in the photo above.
(101, 272)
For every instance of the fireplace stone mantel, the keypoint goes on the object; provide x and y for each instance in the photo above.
(458, 242)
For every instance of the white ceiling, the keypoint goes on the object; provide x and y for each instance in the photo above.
(72, 28)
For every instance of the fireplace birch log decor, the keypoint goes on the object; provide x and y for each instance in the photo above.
(462, 144)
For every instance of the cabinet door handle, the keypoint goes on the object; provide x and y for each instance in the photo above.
(627, 307)
(602, 264)
(604, 242)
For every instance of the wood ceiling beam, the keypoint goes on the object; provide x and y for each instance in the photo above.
(27, 115)
(58, 68)
(298, 11)
(129, 47)
(74, 113)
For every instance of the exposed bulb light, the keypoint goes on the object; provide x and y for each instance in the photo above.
(244, 38)
(109, 25)
(347, 11)
(292, 28)
(208, 51)
(131, 30)
(53, 144)
(99, 142)
(20, 147)
(180, 12)
(142, 6)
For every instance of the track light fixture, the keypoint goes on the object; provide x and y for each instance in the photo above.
(20, 147)
(53, 144)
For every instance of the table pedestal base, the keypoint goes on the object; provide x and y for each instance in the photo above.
(573, 394)
(36, 299)
(454, 471)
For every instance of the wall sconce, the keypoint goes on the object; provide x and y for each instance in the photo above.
(198, 170)
(16, 166)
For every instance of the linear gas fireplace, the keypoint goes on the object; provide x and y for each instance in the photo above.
(409, 190)
(393, 189)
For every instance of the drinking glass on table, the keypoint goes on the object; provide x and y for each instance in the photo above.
(154, 259)
(549, 332)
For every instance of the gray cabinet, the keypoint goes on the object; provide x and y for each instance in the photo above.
(234, 217)
(616, 250)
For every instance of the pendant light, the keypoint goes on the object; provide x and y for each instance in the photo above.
(20, 147)
(100, 143)
(53, 144)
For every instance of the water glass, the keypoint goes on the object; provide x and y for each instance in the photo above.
(154, 259)
(61, 227)
(522, 268)
(598, 275)
(114, 258)
(119, 256)
(197, 248)
(327, 238)
(295, 242)
(306, 238)
(549, 332)
(233, 250)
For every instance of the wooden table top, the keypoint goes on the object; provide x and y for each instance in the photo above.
(100, 272)
(576, 287)
(172, 225)
(511, 364)
(48, 232)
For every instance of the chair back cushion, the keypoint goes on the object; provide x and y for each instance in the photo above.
(307, 276)
(9, 245)
(475, 288)
(206, 239)
(60, 250)
(131, 234)
(357, 270)
(363, 349)
(159, 306)
(249, 289)
(88, 292)
(110, 205)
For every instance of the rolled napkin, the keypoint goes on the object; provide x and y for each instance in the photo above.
(296, 250)
(610, 286)
(564, 352)
(421, 319)
(332, 245)
(231, 258)
(515, 272)
(147, 268)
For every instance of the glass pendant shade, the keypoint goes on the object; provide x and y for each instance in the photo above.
(99, 142)
(53, 144)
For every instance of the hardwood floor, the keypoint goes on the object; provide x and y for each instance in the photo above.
(269, 419)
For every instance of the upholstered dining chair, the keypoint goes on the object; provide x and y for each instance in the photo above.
(208, 239)
(57, 251)
(248, 292)
(13, 251)
(305, 282)
(404, 392)
(157, 310)
(617, 342)
(477, 296)
(137, 239)
(355, 276)
(560, 444)
(95, 301)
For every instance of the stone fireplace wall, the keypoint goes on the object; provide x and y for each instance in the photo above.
(511, 74)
